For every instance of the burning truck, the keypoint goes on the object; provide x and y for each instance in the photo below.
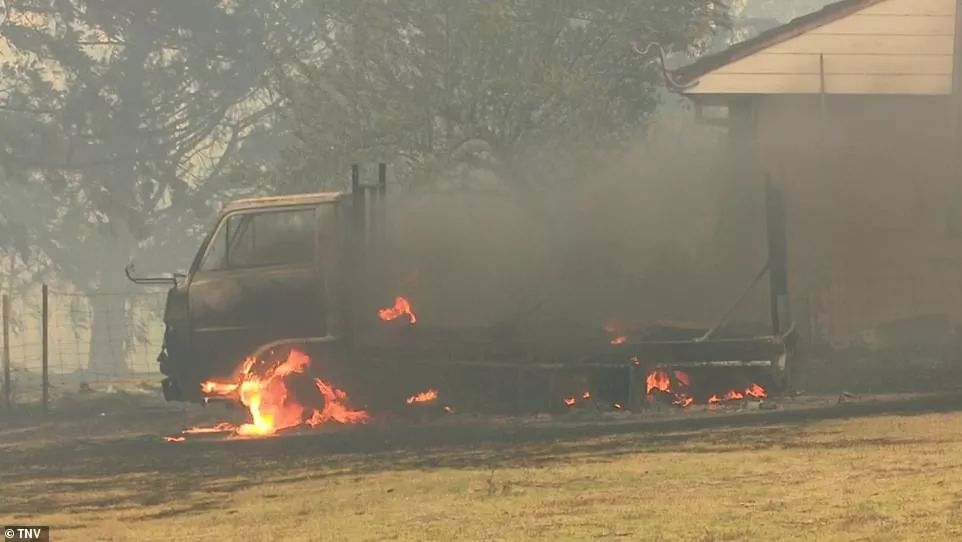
(287, 309)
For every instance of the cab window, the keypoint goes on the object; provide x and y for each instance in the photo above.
(261, 239)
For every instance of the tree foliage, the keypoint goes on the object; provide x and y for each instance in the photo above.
(121, 118)
(483, 85)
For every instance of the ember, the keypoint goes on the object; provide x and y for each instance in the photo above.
(423, 397)
(271, 404)
(573, 400)
(401, 307)
(222, 427)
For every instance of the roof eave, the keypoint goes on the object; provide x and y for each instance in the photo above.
(687, 76)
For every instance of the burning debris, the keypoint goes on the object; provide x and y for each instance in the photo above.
(572, 400)
(271, 396)
(423, 397)
(659, 383)
(618, 336)
(754, 391)
(425, 405)
(401, 307)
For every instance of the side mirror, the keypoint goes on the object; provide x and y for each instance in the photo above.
(172, 279)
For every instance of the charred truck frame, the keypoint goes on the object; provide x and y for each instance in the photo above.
(301, 271)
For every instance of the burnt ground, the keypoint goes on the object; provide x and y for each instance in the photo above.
(97, 467)
(109, 448)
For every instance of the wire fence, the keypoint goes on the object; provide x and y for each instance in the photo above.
(91, 338)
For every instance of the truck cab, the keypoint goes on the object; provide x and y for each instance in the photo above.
(269, 269)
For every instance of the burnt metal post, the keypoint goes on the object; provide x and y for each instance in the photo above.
(777, 257)
(359, 201)
(45, 337)
(7, 389)
(381, 205)
(355, 249)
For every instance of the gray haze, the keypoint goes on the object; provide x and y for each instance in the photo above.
(536, 157)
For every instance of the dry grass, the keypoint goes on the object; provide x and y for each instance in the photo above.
(880, 477)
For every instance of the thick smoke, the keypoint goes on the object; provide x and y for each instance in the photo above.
(629, 244)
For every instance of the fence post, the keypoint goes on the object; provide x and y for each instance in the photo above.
(44, 321)
(7, 388)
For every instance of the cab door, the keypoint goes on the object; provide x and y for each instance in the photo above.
(258, 281)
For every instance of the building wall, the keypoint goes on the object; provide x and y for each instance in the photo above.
(873, 199)
(893, 47)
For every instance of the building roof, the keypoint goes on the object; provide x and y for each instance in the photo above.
(686, 75)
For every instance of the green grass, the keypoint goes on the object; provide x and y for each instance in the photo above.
(881, 477)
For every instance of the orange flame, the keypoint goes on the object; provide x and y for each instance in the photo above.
(754, 390)
(659, 380)
(586, 395)
(175, 438)
(423, 397)
(272, 408)
(334, 407)
(401, 307)
(734, 395)
(569, 401)
(621, 339)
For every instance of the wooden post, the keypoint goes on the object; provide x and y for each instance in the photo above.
(45, 351)
(7, 388)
